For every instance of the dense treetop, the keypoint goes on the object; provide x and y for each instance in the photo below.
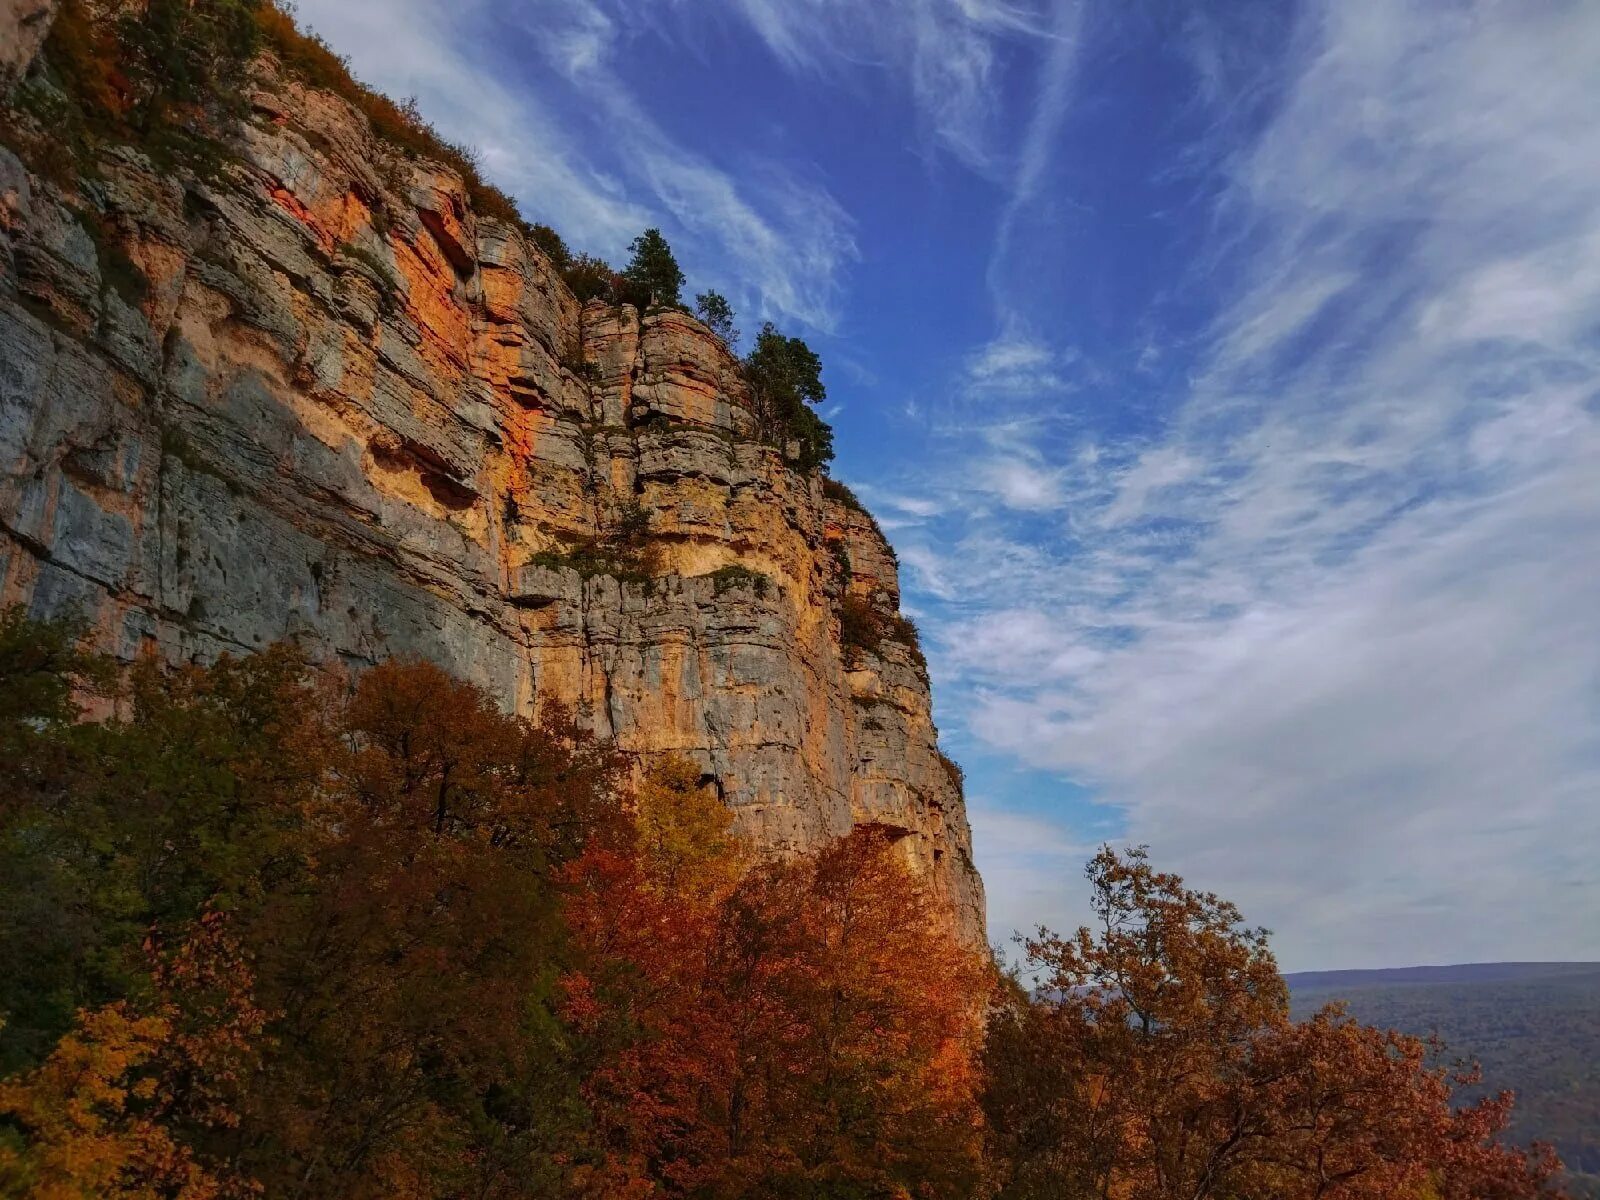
(272, 931)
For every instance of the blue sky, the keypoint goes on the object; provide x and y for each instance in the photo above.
(1225, 375)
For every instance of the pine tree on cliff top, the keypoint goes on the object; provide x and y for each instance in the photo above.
(653, 273)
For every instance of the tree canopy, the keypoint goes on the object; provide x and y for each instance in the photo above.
(270, 931)
(1156, 1060)
(652, 276)
(713, 308)
(785, 377)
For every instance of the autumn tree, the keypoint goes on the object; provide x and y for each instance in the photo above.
(806, 1030)
(116, 1108)
(412, 974)
(878, 1007)
(199, 792)
(379, 1018)
(685, 838)
(1158, 1060)
(76, 1128)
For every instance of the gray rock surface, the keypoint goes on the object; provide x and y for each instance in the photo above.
(323, 400)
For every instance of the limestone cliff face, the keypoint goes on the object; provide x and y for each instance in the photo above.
(320, 398)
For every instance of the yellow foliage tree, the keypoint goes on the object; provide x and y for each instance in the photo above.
(85, 1113)
(686, 837)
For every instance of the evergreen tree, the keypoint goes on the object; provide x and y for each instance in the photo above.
(717, 313)
(785, 375)
(653, 275)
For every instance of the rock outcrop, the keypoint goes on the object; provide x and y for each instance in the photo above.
(318, 397)
(23, 26)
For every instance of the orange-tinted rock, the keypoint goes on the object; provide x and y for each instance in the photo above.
(350, 411)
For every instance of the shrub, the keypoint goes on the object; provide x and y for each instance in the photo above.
(165, 79)
(953, 771)
(864, 626)
(622, 550)
(735, 575)
(402, 124)
(841, 558)
(589, 278)
(838, 492)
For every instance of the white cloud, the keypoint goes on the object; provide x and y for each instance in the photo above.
(912, 506)
(1332, 641)
(776, 240)
(1018, 365)
(947, 53)
(1022, 485)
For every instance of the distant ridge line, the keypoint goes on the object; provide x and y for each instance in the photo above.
(1494, 972)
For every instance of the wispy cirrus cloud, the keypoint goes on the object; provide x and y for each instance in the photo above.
(950, 55)
(598, 166)
(1328, 637)
(1017, 364)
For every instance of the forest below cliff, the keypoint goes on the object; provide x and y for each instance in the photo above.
(270, 930)
(317, 921)
(1534, 1027)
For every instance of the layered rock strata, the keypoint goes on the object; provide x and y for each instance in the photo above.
(319, 398)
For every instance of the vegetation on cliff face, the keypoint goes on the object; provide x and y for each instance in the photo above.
(785, 376)
(173, 79)
(269, 931)
(716, 313)
(865, 625)
(623, 550)
(652, 276)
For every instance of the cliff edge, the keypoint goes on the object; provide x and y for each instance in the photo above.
(315, 395)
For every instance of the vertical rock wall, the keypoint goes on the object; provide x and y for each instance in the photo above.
(319, 398)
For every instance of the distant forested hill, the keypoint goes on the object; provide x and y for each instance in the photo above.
(1535, 1027)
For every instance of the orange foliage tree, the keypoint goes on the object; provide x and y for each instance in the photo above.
(115, 1108)
(268, 933)
(1158, 1061)
(804, 1029)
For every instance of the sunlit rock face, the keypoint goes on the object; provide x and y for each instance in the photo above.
(23, 26)
(321, 399)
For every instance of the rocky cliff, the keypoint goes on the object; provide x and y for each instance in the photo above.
(314, 395)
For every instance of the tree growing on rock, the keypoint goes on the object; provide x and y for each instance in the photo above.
(713, 308)
(785, 378)
(652, 276)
